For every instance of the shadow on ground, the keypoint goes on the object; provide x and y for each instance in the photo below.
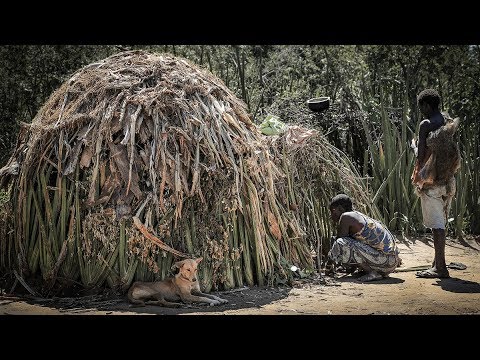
(241, 298)
(427, 239)
(354, 279)
(457, 285)
(237, 299)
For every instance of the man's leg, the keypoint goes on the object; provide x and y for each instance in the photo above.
(440, 265)
(370, 275)
(434, 216)
(341, 254)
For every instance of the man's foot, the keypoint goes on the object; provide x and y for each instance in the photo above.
(330, 270)
(350, 269)
(433, 274)
(359, 272)
(371, 276)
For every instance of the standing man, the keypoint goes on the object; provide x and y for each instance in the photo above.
(362, 242)
(438, 159)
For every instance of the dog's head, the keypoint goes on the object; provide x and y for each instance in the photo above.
(187, 268)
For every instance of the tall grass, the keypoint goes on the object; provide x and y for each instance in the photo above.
(465, 212)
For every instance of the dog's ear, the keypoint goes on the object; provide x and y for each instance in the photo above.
(178, 264)
(198, 260)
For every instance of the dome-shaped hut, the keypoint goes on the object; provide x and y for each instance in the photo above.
(141, 159)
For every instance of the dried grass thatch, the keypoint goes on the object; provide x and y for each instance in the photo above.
(143, 158)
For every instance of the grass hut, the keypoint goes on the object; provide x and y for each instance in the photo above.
(142, 159)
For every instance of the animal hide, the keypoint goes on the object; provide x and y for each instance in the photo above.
(443, 157)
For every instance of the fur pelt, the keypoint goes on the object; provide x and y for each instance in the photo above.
(444, 157)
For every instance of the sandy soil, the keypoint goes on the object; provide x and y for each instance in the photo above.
(400, 294)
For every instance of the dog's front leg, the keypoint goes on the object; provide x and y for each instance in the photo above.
(189, 298)
(160, 300)
(210, 296)
(163, 302)
(136, 303)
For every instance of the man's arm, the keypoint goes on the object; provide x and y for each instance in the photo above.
(422, 141)
(343, 227)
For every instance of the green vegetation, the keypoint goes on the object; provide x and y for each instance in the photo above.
(372, 118)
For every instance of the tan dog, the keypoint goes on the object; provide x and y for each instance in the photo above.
(183, 286)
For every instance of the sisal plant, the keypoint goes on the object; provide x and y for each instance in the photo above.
(143, 159)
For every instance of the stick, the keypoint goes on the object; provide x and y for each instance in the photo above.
(413, 268)
(61, 258)
(61, 110)
(25, 284)
(13, 286)
(156, 240)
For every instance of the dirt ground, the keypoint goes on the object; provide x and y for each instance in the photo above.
(400, 294)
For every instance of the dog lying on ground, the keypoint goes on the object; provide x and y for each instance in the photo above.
(183, 286)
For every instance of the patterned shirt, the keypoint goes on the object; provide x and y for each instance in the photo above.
(375, 234)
